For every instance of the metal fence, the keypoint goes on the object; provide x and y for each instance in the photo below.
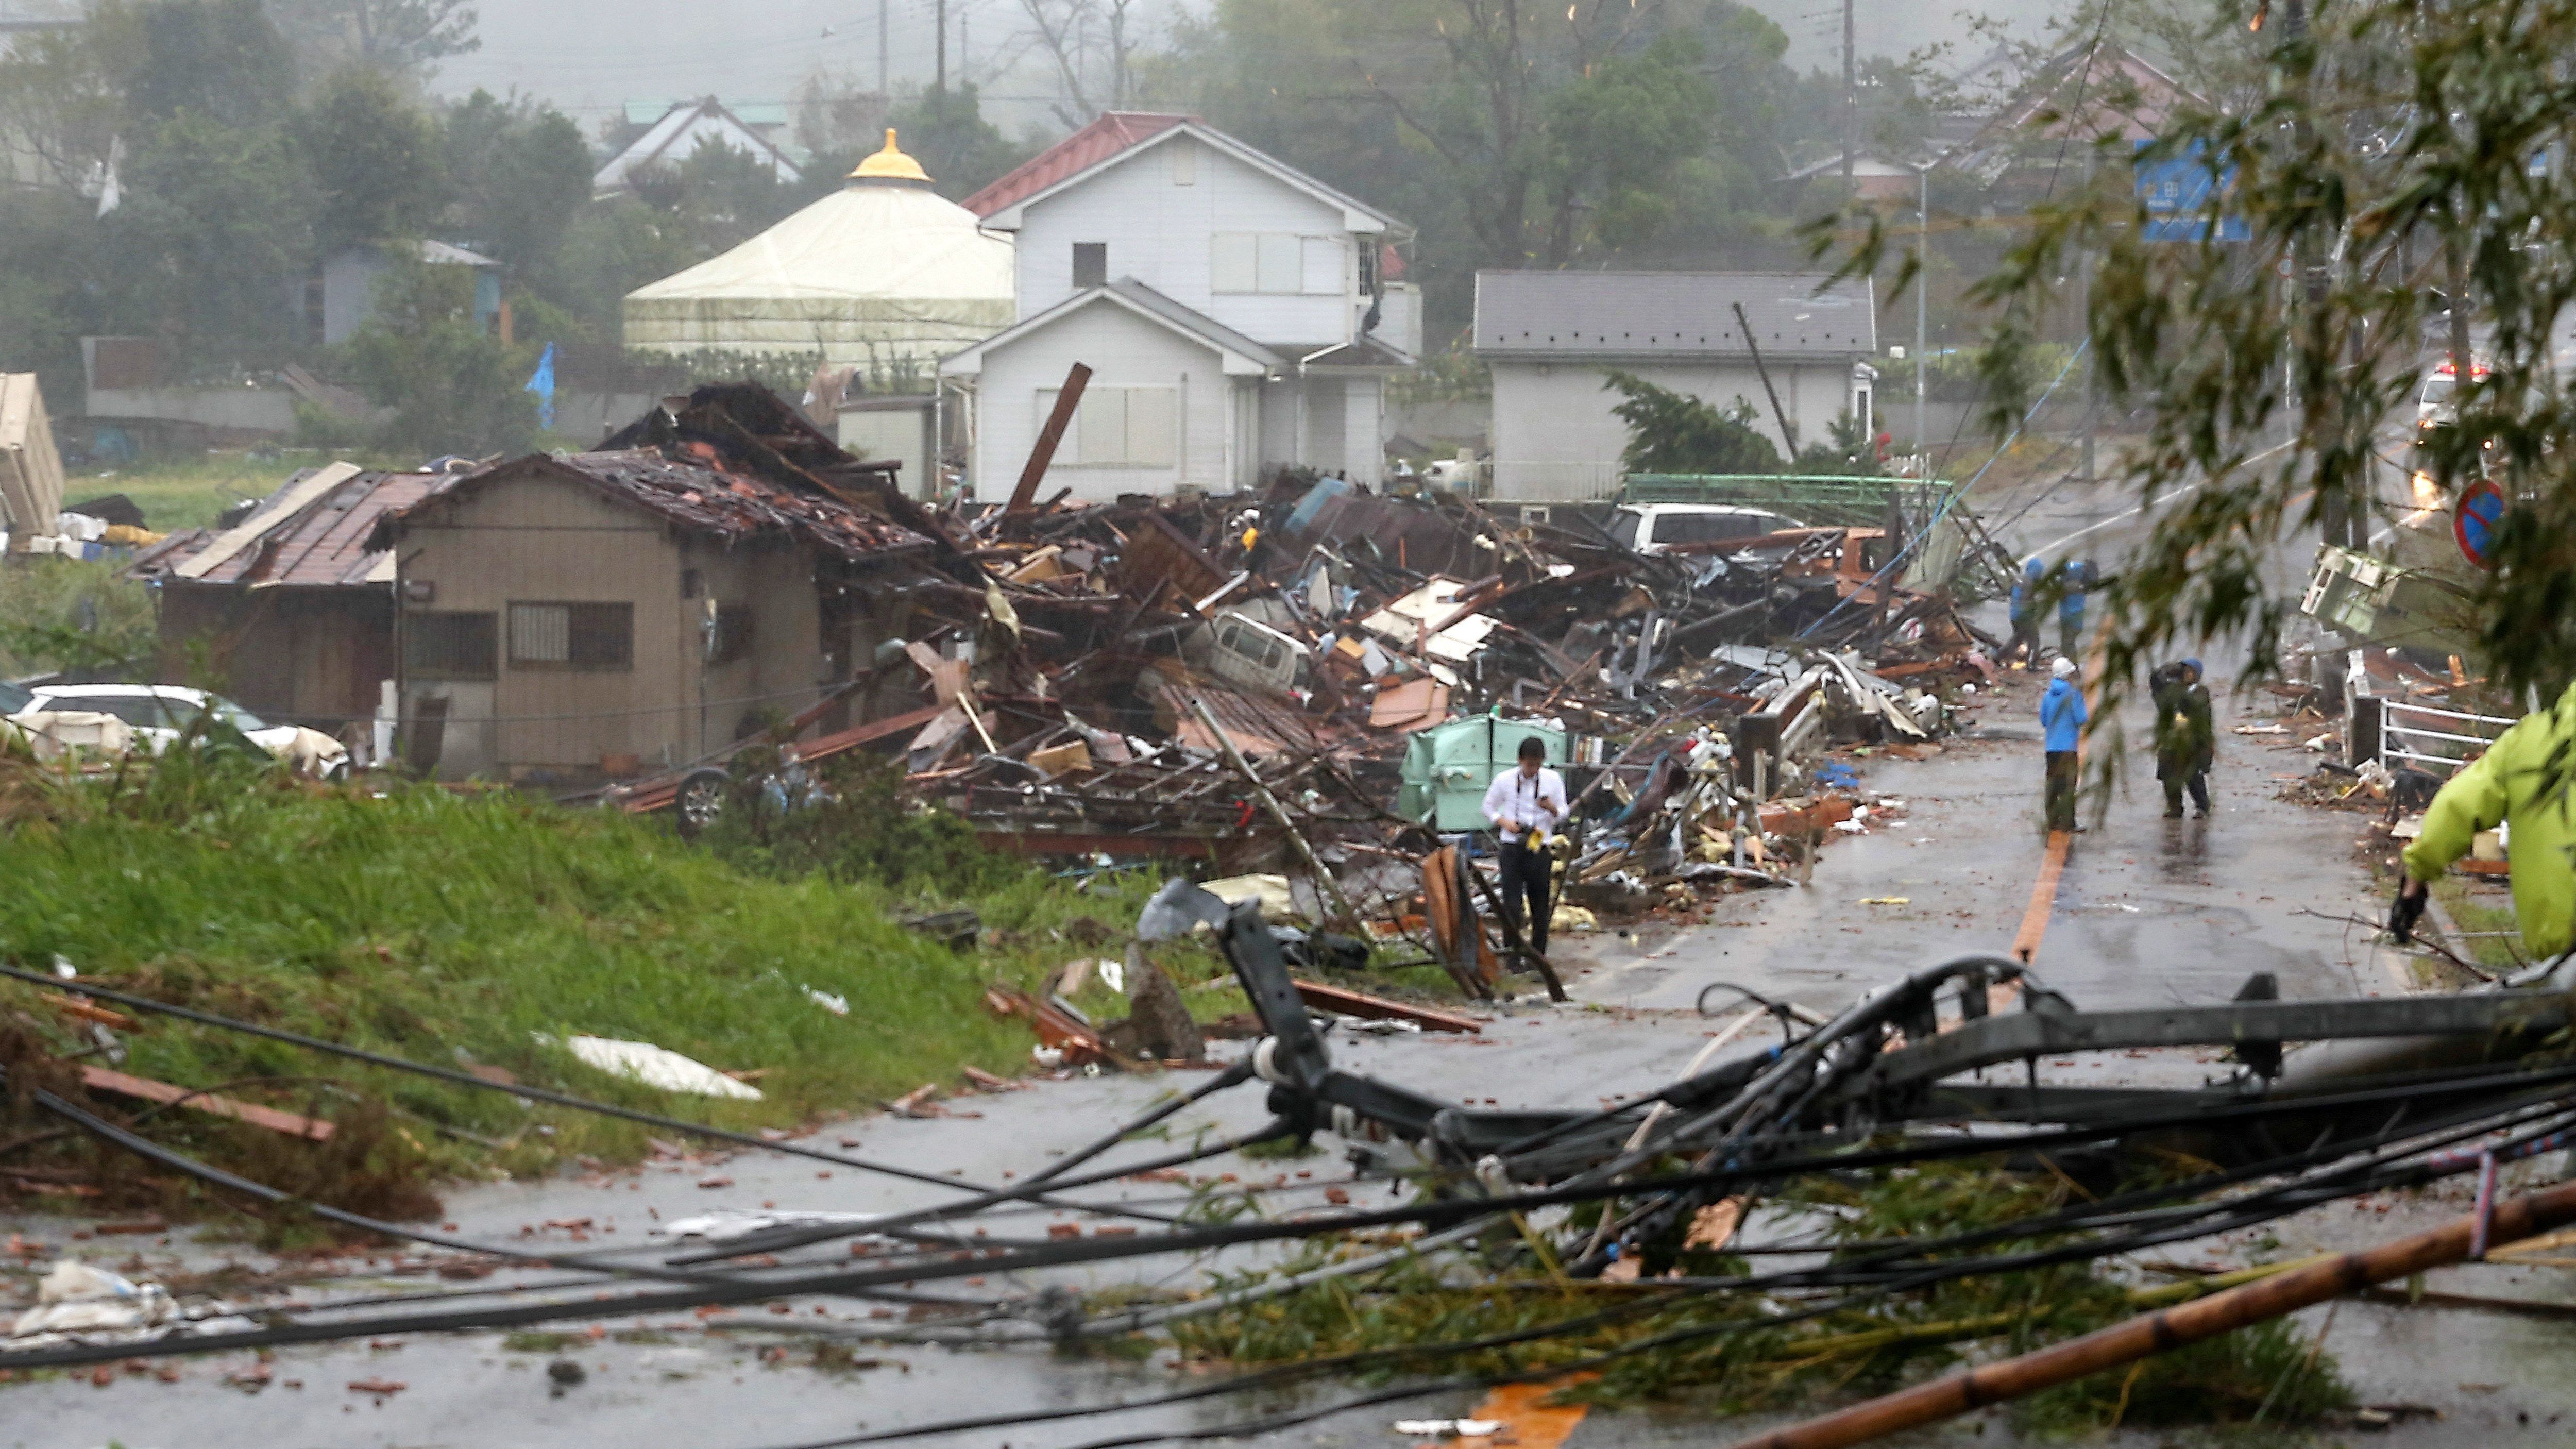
(1827, 500)
(2439, 740)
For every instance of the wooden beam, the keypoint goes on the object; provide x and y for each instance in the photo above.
(1076, 378)
(100, 1079)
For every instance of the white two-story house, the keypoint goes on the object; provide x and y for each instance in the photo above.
(1238, 316)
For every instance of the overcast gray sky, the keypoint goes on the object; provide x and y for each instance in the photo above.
(592, 56)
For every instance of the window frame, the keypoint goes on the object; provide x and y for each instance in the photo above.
(1270, 254)
(1092, 251)
(418, 666)
(583, 620)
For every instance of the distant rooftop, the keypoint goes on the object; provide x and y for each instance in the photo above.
(1660, 314)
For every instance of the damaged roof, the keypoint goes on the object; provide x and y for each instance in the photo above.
(311, 533)
(692, 491)
(1667, 314)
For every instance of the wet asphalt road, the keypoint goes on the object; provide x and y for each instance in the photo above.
(2149, 911)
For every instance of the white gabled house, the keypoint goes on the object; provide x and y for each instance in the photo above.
(1238, 316)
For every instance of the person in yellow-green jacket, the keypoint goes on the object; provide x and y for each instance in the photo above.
(2526, 779)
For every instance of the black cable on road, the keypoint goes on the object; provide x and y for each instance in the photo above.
(780, 1239)
(204, 1172)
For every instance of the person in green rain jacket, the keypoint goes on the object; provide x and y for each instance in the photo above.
(2186, 740)
(2523, 780)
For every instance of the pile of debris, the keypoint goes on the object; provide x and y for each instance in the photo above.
(1327, 679)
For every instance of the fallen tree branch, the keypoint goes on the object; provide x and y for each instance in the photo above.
(2171, 1328)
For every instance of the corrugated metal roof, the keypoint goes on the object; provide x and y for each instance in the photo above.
(1665, 314)
(1108, 134)
(692, 493)
(320, 544)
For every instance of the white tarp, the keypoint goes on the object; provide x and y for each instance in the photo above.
(654, 1066)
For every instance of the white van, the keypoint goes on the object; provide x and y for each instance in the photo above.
(1656, 527)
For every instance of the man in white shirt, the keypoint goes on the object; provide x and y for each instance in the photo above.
(1525, 805)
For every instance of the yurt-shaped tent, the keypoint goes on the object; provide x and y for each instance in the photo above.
(884, 275)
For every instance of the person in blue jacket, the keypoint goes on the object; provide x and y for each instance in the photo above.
(2023, 609)
(2075, 577)
(2061, 718)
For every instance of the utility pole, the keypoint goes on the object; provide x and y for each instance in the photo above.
(941, 83)
(1923, 317)
(2084, 317)
(1851, 98)
(881, 49)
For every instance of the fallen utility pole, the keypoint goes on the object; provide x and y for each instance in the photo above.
(1788, 430)
(2161, 1332)
(1324, 881)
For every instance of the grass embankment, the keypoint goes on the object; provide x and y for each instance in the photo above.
(459, 929)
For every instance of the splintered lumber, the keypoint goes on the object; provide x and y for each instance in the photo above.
(1324, 880)
(2160, 1332)
(1053, 1025)
(1352, 1003)
(100, 1079)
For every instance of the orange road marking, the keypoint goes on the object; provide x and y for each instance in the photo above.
(2043, 897)
(1529, 1421)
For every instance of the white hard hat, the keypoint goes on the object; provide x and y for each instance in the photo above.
(2063, 668)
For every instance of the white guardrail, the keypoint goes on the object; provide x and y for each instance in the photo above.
(2440, 740)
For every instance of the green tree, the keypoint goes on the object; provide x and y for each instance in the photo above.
(1671, 432)
(48, 300)
(519, 173)
(214, 222)
(1615, 135)
(611, 248)
(2399, 181)
(375, 159)
(453, 388)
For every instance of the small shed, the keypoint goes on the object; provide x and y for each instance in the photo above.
(290, 609)
(350, 277)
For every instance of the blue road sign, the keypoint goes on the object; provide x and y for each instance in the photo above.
(2183, 196)
(2475, 521)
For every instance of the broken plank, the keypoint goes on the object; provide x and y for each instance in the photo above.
(88, 1010)
(1352, 1003)
(100, 1079)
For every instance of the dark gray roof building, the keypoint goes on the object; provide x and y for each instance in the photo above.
(1637, 315)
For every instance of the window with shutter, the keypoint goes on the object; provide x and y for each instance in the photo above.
(1283, 263)
(1234, 262)
(572, 636)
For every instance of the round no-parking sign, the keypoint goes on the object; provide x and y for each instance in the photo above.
(2475, 521)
